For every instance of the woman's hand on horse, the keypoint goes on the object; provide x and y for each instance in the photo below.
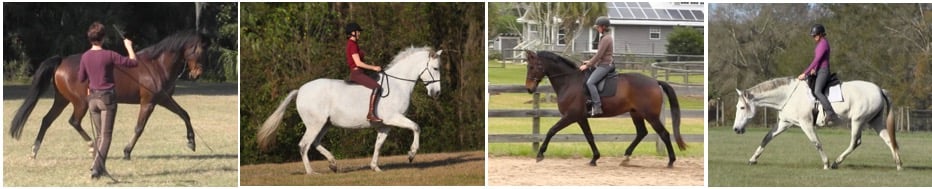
(584, 66)
(801, 76)
(377, 68)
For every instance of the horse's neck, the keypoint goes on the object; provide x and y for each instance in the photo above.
(399, 88)
(564, 82)
(776, 97)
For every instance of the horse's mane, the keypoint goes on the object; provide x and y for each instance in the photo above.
(407, 52)
(174, 42)
(770, 84)
(557, 58)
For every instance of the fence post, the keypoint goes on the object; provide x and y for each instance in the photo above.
(535, 123)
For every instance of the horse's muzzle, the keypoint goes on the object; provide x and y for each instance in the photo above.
(739, 131)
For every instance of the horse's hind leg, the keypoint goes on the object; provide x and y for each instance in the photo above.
(878, 125)
(855, 142)
(323, 151)
(664, 136)
(587, 132)
(638, 120)
(145, 110)
(379, 140)
(314, 130)
(58, 105)
(774, 132)
(406, 123)
(173, 106)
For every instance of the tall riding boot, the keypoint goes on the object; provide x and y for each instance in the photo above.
(373, 101)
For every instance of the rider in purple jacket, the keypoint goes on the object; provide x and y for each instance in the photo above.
(820, 68)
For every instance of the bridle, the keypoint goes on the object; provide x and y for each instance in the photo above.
(385, 84)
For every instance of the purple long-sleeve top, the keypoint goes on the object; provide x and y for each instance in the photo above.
(97, 66)
(820, 60)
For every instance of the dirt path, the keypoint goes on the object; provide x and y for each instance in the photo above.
(641, 171)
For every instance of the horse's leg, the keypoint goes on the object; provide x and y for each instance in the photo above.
(145, 110)
(403, 122)
(774, 132)
(57, 107)
(809, 129)
(379, 139)
(323, 151)
(170, 104)
(657, 124)
(855, 142)
(638, 120)
(878, 125)
(562, 123)
(80, 109)
(584, 125)
(313, 132)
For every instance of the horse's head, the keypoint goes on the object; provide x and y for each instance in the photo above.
(535, 71)
(744, 111)
(193, 54)
(431, 74)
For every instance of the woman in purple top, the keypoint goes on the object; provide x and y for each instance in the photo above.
(97, 68)
(820, 68)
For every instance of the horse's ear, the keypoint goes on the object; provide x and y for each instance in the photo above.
(436, 54)
(739, 92)
(530, 54)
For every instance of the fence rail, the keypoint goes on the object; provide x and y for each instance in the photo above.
(536, 113)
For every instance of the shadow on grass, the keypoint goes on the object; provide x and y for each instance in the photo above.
(419, 165)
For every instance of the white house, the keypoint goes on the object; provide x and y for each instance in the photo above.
(637, 27)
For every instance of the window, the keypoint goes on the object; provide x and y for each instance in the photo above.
(594, 38)
(654, 33)
(561, 37)
(532, 32)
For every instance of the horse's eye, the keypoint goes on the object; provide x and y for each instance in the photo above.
(435, 69)
(742, 108)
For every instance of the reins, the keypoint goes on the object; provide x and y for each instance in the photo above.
(386, 85)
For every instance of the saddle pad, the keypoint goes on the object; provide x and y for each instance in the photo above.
(608, 86)
(833, 95)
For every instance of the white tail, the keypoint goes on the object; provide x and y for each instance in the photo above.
(266, 135)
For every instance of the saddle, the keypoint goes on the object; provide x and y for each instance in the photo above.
(610, 80)
(832, 92)
(832, 81)
(371, 74)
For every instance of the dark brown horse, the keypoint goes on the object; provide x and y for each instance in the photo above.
(638, 94)
(150, 83)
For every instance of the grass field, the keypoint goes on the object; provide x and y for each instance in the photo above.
(513, 74)
(454, 169)
(159, 159)
(790, 160)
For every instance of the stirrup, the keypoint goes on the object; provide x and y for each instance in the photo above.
(595, 111)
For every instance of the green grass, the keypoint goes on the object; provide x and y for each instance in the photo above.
(516, 74)
(160, 157)
(790, 160)
(523, 101)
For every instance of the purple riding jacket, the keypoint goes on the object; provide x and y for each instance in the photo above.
(820, 60)
(97, 66)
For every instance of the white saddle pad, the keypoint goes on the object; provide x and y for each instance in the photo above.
(833, 95)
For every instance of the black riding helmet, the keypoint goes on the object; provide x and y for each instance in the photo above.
(601, 21)
(351, 27)
(817, 29)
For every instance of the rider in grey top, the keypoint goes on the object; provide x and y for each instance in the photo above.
(602, 62)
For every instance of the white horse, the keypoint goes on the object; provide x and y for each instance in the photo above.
(864, 105)
(345, 105)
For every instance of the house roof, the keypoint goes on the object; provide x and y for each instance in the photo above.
(654, 12)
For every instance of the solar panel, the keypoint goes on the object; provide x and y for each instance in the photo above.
(644, 4)
(625, 13)
(613, 13)
(619, 4)
(638, 13)
(632, 4)
(675, 14)
(651, 14)
(699, 15)
(662, 13)
(687, 15)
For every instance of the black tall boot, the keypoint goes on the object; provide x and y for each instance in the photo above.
(373, 102)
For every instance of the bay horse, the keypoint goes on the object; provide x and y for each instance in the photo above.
(150, 83)
(638, 94)
(341, 104)
(865, 105)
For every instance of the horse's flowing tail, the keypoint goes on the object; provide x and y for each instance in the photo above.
(675, 112)
(266, 135)
(891, 124)
(40, 82)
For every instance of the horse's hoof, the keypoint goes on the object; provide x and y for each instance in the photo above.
(410, 157)
(899, 168)
(540, 158)
(834, 165)
(333, 167)
(376, 169)
(752, 162)
(192, 146)
(670, 166)
(592, 164)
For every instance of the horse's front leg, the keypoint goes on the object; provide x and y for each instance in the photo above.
(781, 126)
(587, 132)
(379, 140)
(403, 122)
(170, 104)
(562, 123)
(809, 129)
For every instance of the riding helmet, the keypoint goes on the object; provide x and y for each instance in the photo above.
(351, 27)
(601, 21)
(817, 29)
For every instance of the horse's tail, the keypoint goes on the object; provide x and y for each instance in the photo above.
(675, 112)
(266, 135)
(40, 82)
(891, 124)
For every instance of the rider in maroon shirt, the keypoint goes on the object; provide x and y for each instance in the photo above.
(354, 59)
(97, 68)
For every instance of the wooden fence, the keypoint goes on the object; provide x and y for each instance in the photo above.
(535, 113)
